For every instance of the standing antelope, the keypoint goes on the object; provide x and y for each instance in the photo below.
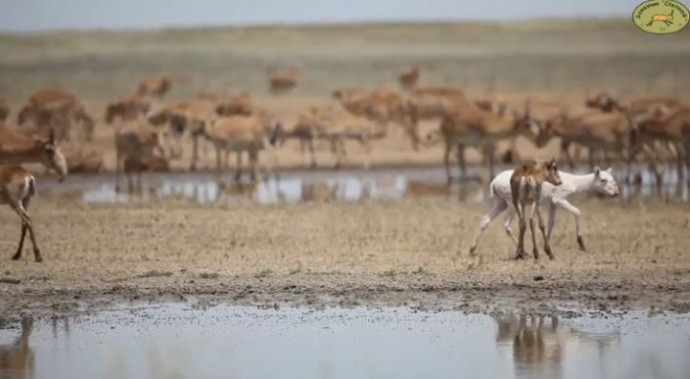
(17, 186)
(525, 186)
(16, 149)
(135, 145)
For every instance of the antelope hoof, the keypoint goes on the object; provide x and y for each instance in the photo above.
(547, 250)
(17, 255)
(520, 254)
(535, 252)
(39, 258)
(581, 243)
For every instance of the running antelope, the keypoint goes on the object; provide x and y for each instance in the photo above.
(525, 186)
(16, 149)
(17, 186)
(409, 78)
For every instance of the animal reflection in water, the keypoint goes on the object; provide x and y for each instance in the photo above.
(17, 359)
(538, 346)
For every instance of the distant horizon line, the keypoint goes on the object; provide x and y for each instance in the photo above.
(307, 24)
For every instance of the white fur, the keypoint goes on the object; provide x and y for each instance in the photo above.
(601, 182)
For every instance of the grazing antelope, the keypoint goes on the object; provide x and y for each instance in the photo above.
(4, 110)
(17, 186)
(674, 129)
(127, 108)
(599, 182)
(409, 78)
(525, 186)
(239, 104)
(243, 133)
(154, 86)
(283, 81)
(16, 149)
(135, 144)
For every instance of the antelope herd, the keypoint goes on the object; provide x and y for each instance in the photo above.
(149, 132)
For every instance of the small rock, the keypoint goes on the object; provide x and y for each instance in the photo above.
(538, 278)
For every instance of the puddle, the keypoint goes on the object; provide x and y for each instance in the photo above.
(175, 341)
(306, 186)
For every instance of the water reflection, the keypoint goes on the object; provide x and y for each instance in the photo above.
(355, 186)
(225, 341)
(17, 358)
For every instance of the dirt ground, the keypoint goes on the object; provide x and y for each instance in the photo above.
(409, 253)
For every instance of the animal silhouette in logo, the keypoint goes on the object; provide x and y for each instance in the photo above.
(665, 18)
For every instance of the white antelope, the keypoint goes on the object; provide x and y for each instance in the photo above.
(17, 186)
(598, 182)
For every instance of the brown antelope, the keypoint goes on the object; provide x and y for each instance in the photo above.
(184, 117)
(135, 143)
(239, 104)
(339, 128)
(599, 131)
(17, 186)
(243, 133)
(17, 360)
(467, 125)
(431, 103)
(408, 79)
(127, 108)
(56, 108)
(4, 110)
(16, 149)
(525, 187)
(154, 86)
(283, 81)
(674, 129)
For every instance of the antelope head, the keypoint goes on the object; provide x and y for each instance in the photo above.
(51, 156)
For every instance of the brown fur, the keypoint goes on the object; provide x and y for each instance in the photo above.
(4, 110)
(17, 186)
(525, 186)
(408, 79)
(283, 81)
(17, 149)
(239, 104)
(127, 108)
(154, 86)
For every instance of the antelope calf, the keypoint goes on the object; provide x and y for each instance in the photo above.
(525, 185)
(17, 186)
(600, 182)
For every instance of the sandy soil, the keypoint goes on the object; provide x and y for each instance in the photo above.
(411, 253)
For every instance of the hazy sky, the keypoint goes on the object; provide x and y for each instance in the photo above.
(28, 15)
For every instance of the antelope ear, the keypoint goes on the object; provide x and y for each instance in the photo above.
(597, 170)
